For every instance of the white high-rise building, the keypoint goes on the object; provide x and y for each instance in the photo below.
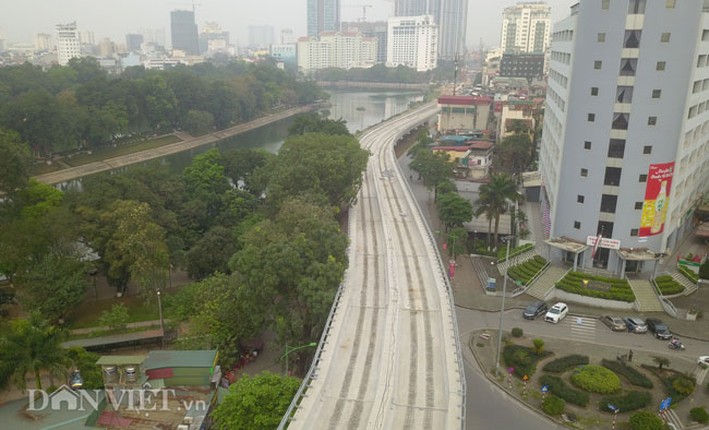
(526, 28)
(451, 17)
(68, 43)
(412, 41)
(43, 42)
(336, 50)
(625, 144)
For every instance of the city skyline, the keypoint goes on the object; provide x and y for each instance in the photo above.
(21, 23)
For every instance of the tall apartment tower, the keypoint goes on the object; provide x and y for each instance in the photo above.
(526, 28)
(183, 31)
(323, 15)
(451, 16)
(412, 41)
(625, 145)
(68, 43)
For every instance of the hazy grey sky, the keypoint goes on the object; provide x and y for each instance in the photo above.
(113, 19)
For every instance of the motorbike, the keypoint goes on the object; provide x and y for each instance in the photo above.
(676, 345)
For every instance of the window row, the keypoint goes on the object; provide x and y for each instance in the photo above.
(609, 202)
(562, 57)
(616, 148)
(628, 66)
(698, 109)
(621, 120)
(637, 7)
(556, 99)
(624, 94)
(700, 85)
(612, 176)
(563, 35)
(558, 78)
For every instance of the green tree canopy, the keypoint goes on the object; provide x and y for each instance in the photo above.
(291, 267)
(14, 161)
(515, 153)
(317, 164)
(434, 168)
(495, 197)
(256, 402)
(646, 420)
(312, 122)
(31, 346)
(454, 210)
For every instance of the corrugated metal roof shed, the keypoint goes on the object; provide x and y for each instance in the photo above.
(162, 359)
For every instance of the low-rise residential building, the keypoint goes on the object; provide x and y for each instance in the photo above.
(463, 113)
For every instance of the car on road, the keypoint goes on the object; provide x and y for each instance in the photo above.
(659, 328)
(556, 313)
(614, 323)
(704, 359)
(533, 310)
(635, 324)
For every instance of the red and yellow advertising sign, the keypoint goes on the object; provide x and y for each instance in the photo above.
(657, 198)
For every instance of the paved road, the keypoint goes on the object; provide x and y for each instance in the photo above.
(392, 358)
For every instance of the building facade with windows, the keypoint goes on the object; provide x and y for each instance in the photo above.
(183, 32)
(68, 43)
(625, 144)
(526, 28)
(451, 17)
(336, 50)
(412, 41)
(323, 15)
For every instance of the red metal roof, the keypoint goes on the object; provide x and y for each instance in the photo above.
(464, 100)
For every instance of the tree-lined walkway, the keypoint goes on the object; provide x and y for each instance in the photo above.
(151, 154)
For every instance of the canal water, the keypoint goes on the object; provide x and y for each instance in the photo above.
(360, 109)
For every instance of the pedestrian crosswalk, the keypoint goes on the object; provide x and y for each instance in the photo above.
(670, 416)
(582, 328)
(699, 374)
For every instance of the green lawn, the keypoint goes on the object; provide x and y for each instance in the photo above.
(88, 313)
(103, 154)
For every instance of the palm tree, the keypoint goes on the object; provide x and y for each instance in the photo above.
(495, 197)
(31, 346)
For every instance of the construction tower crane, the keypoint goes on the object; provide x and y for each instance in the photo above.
(364, 10)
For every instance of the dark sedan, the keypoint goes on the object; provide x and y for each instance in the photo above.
(659, 328)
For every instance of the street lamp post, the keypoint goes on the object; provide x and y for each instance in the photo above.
(508, 239)
(162, 322)
(290, 349)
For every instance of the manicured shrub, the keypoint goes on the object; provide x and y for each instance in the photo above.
(619, 289)
(684, 385)
(554, 406)
(563, 364)
(524, 272)
(522, 359)
(646, 420)
(668, 286)
(538, 346)
(517, 332)
(699, 415)
(689, 273)
(630, 401)
(628, 372)
(596, 379)
(561, 389)
(668, 378)
(704, 270)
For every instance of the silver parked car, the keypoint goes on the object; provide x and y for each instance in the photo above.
(614, 323)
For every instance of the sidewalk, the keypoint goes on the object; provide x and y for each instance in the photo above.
(469, 293)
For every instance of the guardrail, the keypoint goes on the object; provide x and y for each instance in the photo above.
(310, 375)
(667, 305)
(451, 305)
(316, 360)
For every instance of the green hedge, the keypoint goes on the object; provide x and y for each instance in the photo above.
(563, 364)
(668, 286)
(554, 406)
(524, 272)
(630, 373)
(561, 389)
(668, 376)
(626, 402)
(619, 288)
(502, 251)
(688, 273)
(596, 379)
(523, 359)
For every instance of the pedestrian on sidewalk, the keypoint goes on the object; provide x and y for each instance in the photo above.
(630, 356)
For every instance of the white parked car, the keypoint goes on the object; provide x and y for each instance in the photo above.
(704, 359)
(556, 313)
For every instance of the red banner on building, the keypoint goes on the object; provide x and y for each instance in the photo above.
(657, 199)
